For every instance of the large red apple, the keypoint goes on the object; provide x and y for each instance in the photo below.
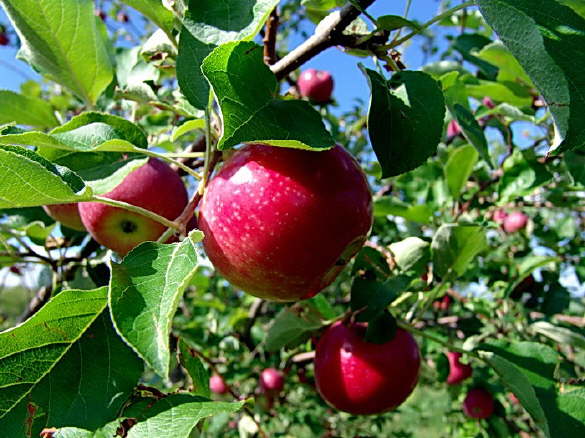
(363, 378)
(515, 221)
(282, 223)
(478, 403)
(458, 371)
(317, 85)
(153, 186)
(67, 214)
(271, 380)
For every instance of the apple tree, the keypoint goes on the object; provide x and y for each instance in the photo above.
(199, 239)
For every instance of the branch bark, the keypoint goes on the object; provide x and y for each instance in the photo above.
(270, 37)
(327, 35)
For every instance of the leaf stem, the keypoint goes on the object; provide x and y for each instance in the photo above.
(135, 209)
(167, 158)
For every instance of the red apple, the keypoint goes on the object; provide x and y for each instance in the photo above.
(478, 403)
(443, 303)
(363, 378)
(271, 380)
(217, 384)
(515, 221)
(499, 216)
(153, 186)
(317, 85)
(4, 40)
(458, 371)
(453, 129)
(67, 214)
(488, 103)
(282, 223)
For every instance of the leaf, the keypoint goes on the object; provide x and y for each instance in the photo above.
(411, 253)
(522, 176)
(175, 416)
(389, 205)
(468, 44)
(372, 297)
(107, 431)
(254, 113)
(29, 351)
(393, 22)
(24, 110)
(208, 24)
(547, 39)
(145, 289)
(196, 370)
(454, 246)
(154, 10)
(509, 69)
(562, 335)
(30, 180)
(288, 327)
(572, 413)
(188, 126)
(404, 125)
(575, 161)
(62, 41)
(473, 133)
(459, 167)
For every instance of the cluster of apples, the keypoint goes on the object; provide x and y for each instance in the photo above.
(510, 222)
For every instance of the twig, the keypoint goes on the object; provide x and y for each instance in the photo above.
(303, 357)
(253, 313)
(40, 299)
(327, 35)
(270, 37)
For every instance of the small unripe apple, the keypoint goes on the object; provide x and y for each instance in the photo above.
(361, 377)
(478, 403)
(153, 186)
(67, 214)
(282, 223)
(271, 380)
(317, 85)
(4, 40)
(515, 221)
(458, 371)
(217, 384)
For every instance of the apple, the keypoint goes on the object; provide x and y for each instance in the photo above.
(488, 102)
(458, 371)
(153, 186)
(453, 129)
(271, 380)
(443, 303)
(217, 384)
(4, 40)
(499, 216)
(317, 85)
(364, 378)
(282, 223)
(515, 221)
(67, 214)
(478, 403)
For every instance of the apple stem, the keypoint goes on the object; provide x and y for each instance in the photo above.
(134, 208)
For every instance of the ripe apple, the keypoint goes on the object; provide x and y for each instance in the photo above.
(458, 371)
(515, 221)
(363, 378)
(67, 214)
(317, 85)
(217, 384)
(271, 380)
(499, 216)
(478, 403)
(153, 186)
(282, 223)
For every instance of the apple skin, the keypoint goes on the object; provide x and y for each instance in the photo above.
(271, 380)
(282, 223)
(499, 216)
(363, 378)
(515, 221)
(317, 85)
(67, 214)
(458, 371)
(153, 186)
(217, 384)
(478, 403)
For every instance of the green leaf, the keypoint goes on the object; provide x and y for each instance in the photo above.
(572, 413)
(388, 205)
(509, 69)
(208, 24)
(459, 167)
(561, 335)
(289, 327)
(415, 111)
(372, 296)
(24, 110)
(523, 174)
(468, 44)
(154, 10)
(107, 431)
(509, 92)
(575, 161)
(196, 370)
(393, 22)
(551, 53)
(29, 180)
(254, 113)
(474, 135)
(175, 416)
(454, 246)
(62, 41)
(35, 347)
(188, 126)
(411, 253)
(145, 289)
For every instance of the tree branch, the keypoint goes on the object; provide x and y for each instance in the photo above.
(270, 37)
(328, 34)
